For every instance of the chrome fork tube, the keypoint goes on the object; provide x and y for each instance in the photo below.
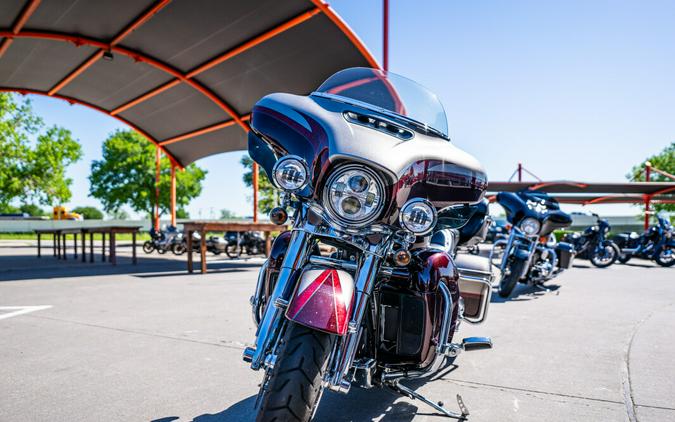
(365, 283)
(296, 255)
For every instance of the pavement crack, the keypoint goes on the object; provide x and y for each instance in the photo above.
(629, 400)
(225, 343)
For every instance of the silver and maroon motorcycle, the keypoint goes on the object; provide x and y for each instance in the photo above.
(356, 293)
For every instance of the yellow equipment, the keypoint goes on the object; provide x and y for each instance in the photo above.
(61, 213)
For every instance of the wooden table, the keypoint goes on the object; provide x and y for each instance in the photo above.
(59, 244)
(202, 227)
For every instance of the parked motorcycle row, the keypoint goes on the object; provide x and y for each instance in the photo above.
(233, 244)
(380, 267)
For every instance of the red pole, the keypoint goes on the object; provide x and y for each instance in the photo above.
(157, 160)
(255, 192)
(385, 35)
(648, 175)
(173, 195)
(520, 172)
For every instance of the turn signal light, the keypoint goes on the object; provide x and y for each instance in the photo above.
(278, 216)
(402, 258)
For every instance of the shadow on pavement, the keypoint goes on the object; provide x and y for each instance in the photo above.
(28, 267)
(523, 293)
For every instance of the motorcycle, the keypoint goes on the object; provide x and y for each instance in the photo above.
(253, 243)
(592, 245)
(162, 240)
(529, 254)
(656, 243)
(366, 168)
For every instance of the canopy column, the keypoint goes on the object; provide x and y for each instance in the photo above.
(255, 192)
(157, 173)
(648, 175)
(173, 195)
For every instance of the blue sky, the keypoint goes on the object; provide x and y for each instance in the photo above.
(576, 90)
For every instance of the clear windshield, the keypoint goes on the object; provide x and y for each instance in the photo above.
(390, 93)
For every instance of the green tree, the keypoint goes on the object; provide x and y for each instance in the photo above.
(226, 214)
(33, 210)
(89, 213)
(119, 214)
(268, 196)
(665, 161)
(33, 157)
(126, 176)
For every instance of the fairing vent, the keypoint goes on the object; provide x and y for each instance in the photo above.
(379, 125)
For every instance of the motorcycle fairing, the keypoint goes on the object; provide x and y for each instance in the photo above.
(323, 300)
(315, 129)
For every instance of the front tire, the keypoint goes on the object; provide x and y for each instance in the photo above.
(233, 251)
(611, 254)
(179, 248)
(665, 257)
(294, 388)
(508, 282)
(148, 247)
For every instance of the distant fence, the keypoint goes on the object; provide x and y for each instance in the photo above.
(28, 226)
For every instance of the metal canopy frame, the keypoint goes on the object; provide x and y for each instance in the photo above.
(105, 48)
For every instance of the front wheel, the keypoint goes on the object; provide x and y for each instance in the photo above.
(179, 248)
(509, 281)
(665, 257)
(294, 388)
(148, 247)
(233, 251)
(605, 255)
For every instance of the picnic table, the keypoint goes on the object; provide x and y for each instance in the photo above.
(202, 227)
(59, 247)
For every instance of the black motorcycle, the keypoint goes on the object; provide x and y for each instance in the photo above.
(162, 240)
(530, 255)
(251, 243)
(656, 243)
(591, 244)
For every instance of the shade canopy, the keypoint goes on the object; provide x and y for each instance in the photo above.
(594, 193)
(185, 73)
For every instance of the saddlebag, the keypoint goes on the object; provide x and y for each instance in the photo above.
(475, 286)
(566, 254)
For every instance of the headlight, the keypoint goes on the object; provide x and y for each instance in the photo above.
(418, 216)
(530, 226)
(354, 195)
(290, 173)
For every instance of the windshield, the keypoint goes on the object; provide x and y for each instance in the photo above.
(389, 93)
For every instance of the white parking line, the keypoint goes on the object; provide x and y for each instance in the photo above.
(20, 310)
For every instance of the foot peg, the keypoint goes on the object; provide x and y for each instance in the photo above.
(476, 343)
(248, 354)
(405, 391)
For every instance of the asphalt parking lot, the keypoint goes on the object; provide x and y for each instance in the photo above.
(152, 343)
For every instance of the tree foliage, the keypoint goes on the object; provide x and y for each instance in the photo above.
(33, 157)
(89, 213)
(126, 176)
(268, 195)
(665, 161)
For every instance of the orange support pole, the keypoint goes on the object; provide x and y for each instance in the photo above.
(385, 35)
(173, 195)
(157, 168)
(255, 192)
(648, 176)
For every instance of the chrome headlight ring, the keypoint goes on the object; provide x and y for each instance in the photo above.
(354, 196)
(418, 216)
(290, 173)
(530, 226)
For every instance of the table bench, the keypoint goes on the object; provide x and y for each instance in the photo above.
(202, 227)
(59, 247)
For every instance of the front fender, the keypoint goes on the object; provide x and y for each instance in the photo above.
(322, 300)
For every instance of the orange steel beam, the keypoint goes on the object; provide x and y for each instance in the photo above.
(25, 14)
(137, 56)
(140, 20)
(158, 158)
(255, 192)
(545, 184)
(173, 195)
(337, 20)
(223, 57)
(202, 131)
(70, 100)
